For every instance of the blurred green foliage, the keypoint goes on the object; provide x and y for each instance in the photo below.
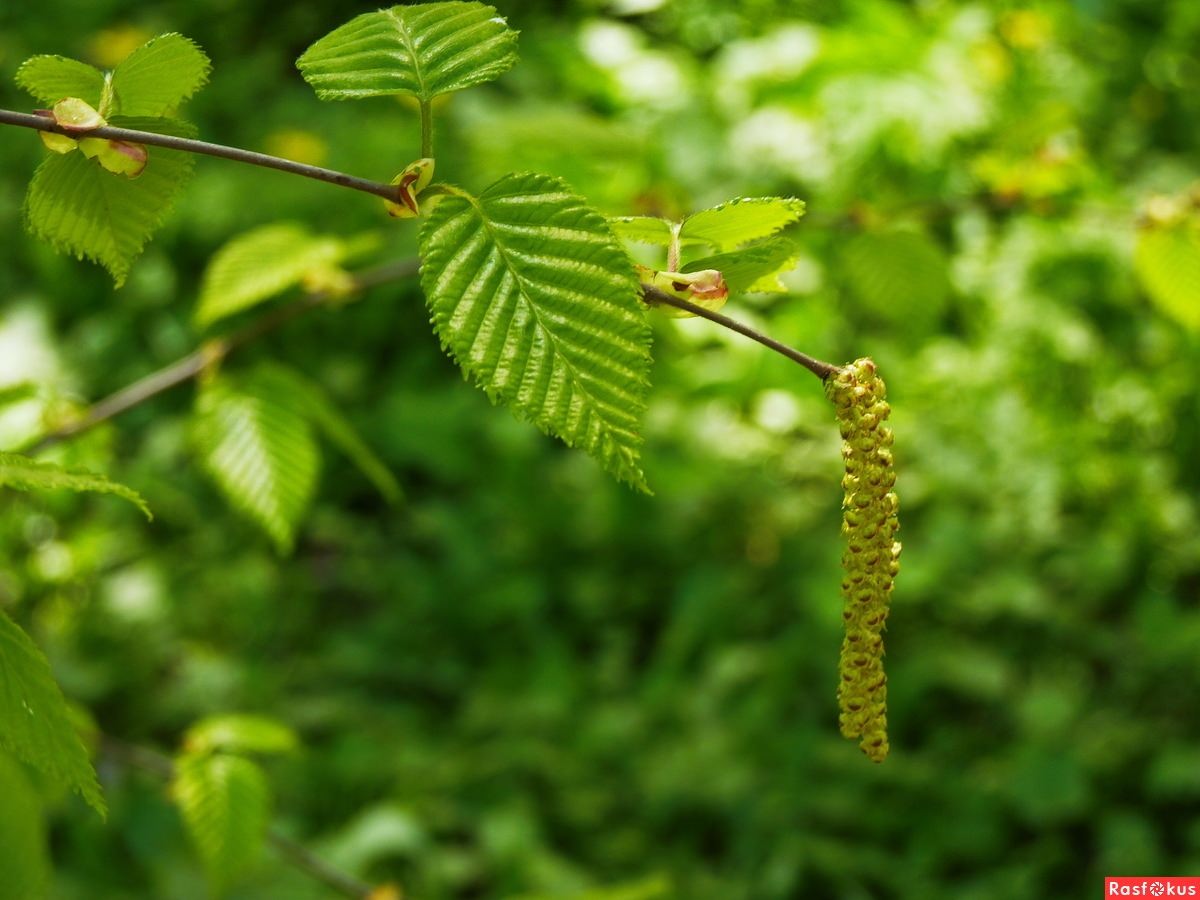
(525, 680)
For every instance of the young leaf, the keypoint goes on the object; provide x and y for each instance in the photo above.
(82, 209)
(741, 221)
(1167, 260)
(259, 448)
(156, 77)
(534, 298)
(35, 725)
(259, 264)
(225, 805)
(422, 50)
(279, 381)
(643, 229)
(239, 734)
(24, 474)
(751, 269)
(24, 859)
(51, 78)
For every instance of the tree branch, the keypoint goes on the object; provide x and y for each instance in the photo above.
(293, 852)
(654, 296)
(210, 352)
(188, 145)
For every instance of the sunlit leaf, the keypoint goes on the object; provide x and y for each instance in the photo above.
(155, 78)
(1168, 263)
(225, 804)
(52, 78)
(422, 50)
(532, 295)
(35, 725)
(741, 221)
(751, 269)
(24, 474)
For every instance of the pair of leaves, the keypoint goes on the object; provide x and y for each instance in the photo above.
(744, 231)
(223, 796)
(422, 51)
(258, 442)
(74, 203)
(528, 289)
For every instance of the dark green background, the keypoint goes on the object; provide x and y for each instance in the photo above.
(526, 680)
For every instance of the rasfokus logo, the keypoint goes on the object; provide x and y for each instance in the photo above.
(1151, 886)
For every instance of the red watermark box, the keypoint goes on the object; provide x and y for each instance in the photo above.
(1152, 886)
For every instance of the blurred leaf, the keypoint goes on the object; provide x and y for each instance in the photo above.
(17, 393)
(273, 379)
(651, 888)
(81, 209)
(899, 276)
(225, 805)
(24, 474)
(35, 724)
(24, 856)
(423, 50)
(258, 445)
(751, 269)
(52, 78)
(155, 78)
(535, 299)
(1168, 262)
(239, 734)
(258, 265)
(741, 221)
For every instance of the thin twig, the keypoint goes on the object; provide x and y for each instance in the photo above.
(198, 360)
(653, 296)
(188, 145)
(296, 854)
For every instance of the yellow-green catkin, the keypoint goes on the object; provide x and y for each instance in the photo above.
(872, 555)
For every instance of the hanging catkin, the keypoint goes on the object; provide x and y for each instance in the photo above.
(872, 555)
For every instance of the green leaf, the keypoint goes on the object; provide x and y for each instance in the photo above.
(239, 734)
(53, 78)
(225, 805)
(82, 209)
(324, 415)
(741, 221)
(258, 446)
(900, 276)
(643, 229)
(260, 264)
(12, 394)
(155, 78)
(1167, 260)
(422, 50)
(24, 856)
(35, 724)
(24, 474)
(534, 298)
(751, 269)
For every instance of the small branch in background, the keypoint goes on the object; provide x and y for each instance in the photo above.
(654, 296)
(291, 851)
(207, 354)
(189, 145)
